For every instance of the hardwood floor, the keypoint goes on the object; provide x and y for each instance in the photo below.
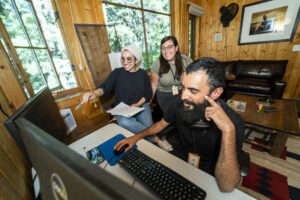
(289, 167)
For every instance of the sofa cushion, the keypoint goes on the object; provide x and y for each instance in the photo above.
(250, 85)
(267, 69)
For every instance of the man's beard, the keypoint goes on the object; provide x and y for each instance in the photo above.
(191, 116)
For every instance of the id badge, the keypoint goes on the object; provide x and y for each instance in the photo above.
(175, 90)
(194, 160)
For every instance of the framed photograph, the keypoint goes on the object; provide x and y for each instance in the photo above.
(269, 21)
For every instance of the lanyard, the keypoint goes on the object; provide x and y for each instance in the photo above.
(200, 135)
(174, 76)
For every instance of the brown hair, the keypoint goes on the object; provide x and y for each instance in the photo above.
(164, 64)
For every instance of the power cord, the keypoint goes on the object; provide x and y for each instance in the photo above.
(3, 111)
(109, 161)
(226, 47)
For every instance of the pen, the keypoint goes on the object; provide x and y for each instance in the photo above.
(82, 102)
(259, 109)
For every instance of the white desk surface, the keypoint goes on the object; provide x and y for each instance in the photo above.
(198, 177)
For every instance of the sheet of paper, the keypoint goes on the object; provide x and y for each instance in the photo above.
(68, 117)
(125, 110)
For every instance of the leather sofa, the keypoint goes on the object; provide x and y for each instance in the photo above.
(255, 77)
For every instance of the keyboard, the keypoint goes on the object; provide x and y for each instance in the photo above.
(162, 181)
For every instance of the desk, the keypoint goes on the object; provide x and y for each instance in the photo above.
(198, 177)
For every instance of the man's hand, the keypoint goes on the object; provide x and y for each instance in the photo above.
(131, 141)
(217, 114)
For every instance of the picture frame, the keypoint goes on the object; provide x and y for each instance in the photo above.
(269, 21)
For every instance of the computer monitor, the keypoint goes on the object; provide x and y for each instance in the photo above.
(41, 110)
(64, 174)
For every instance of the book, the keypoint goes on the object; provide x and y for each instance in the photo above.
(239, 106)
(125, 110)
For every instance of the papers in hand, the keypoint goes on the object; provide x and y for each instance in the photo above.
(125, 110)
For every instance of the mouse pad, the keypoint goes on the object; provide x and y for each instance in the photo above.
(107, 149)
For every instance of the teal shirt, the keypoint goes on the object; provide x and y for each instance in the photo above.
(167, 80)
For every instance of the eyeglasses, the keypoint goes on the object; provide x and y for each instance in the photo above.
(167, 47)
(128, 59)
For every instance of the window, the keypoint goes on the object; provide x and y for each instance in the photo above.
(192, 28)
(134, 23)
(35, 35)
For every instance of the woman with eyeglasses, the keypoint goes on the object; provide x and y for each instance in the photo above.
(167, 72)
(131, 85)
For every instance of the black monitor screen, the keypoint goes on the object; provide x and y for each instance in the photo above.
(41, 110)
(64, 174)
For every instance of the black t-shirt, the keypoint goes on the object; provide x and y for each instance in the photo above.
(204, 142)
(129, 87)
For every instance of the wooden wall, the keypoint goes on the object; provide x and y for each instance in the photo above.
(228, 48)
(15, 171)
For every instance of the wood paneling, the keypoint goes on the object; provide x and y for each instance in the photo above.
(89, 117)
(9, 82)
(228, 48)
(15, 173)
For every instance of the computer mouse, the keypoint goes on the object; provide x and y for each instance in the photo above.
(121, 150)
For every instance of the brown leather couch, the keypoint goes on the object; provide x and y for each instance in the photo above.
(255, 77)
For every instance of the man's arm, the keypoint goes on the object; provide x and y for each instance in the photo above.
(227, 170)
(152, 130)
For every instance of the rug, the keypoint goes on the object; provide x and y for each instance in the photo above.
(294, 193)
(267, 182)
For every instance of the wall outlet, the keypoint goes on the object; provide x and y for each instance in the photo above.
(296, 47)
(218, 37)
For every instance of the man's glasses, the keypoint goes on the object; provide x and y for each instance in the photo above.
(167, 47)
(128, 59)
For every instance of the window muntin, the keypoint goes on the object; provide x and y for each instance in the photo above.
(131, 24)
(162, 6)
(42, 53)
(157, 27)
(192, 29)
(132, 27)
(135, 3)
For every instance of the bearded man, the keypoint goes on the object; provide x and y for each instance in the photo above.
(210, 133)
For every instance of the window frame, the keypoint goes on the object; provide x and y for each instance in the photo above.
(192, 34)
(20, 68)
(171, 15)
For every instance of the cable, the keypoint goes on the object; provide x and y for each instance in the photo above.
(3, 111)
(78, 52)
(226, 43)
(109, 161)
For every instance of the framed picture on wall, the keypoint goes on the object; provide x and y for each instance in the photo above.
(269, 21)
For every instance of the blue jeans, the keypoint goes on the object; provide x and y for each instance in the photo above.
(137, 123)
